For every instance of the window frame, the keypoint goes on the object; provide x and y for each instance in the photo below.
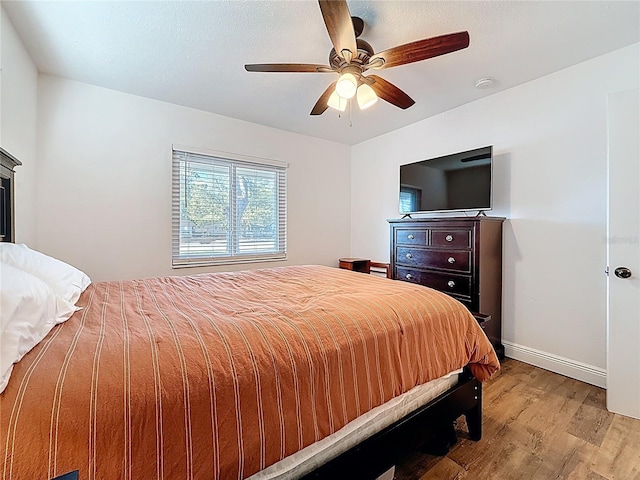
(183, 154)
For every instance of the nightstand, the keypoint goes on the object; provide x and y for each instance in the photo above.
(362, 265)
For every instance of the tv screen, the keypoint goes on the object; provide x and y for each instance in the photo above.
(461, 181)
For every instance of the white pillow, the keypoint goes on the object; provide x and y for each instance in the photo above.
(28, 310)
(65, 280)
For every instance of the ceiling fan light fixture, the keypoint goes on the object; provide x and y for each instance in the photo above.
(352, 56)
(337, 102)
(347, 85)
(366, 96)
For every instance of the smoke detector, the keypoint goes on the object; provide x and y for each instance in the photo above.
(485, 82)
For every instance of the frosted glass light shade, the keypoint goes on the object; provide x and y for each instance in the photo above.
(337, 102)
(347, 85)
(366, 96)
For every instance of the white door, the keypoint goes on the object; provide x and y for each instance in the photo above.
(623, 235)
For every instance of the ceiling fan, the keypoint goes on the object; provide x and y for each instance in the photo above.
(351, 57)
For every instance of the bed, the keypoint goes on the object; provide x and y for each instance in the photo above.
(231, 375)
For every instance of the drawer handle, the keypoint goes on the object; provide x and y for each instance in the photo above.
(410, 236)
(408, 255)
(451, 283)
(408, 276)
(449, 238)
(451, 260)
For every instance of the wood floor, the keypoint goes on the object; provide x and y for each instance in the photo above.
(538, 426)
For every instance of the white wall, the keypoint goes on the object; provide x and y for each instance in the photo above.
(549, 139)
(104, 178)
(18, 100)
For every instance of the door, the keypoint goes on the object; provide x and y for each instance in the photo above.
(623, 252)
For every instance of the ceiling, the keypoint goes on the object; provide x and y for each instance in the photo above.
(193, 53)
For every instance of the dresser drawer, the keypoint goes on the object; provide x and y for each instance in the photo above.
(460, 238)
(411, 237)
(445, 282)
(457, 261)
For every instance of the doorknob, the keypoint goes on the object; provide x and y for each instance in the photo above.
(622, 272)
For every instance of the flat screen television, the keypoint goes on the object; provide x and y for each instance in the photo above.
(456, 182)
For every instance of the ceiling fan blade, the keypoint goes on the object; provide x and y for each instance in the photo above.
(288, 67)
(390, 93)
(321, 105)
(423, 49)
(339, 25)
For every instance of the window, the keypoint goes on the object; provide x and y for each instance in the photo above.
(410, 199)
(227, 209)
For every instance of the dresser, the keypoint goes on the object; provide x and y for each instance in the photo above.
(460, 256)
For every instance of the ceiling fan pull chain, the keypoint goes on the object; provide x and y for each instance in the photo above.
(350, 124)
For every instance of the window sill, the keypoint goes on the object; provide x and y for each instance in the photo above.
(177, 264)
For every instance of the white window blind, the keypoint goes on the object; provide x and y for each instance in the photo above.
(227, 210)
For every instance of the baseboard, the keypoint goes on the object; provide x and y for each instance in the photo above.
(554, 363)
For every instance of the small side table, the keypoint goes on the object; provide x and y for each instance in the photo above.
(362, 265)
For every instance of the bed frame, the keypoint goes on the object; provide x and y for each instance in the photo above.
(429, 428)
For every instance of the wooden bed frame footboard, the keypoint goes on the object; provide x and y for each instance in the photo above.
(429, 428)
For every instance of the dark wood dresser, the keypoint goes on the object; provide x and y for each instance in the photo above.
(461, 256)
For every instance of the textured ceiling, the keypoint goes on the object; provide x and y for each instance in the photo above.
(192, 53)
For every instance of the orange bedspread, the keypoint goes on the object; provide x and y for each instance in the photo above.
(221, 375)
